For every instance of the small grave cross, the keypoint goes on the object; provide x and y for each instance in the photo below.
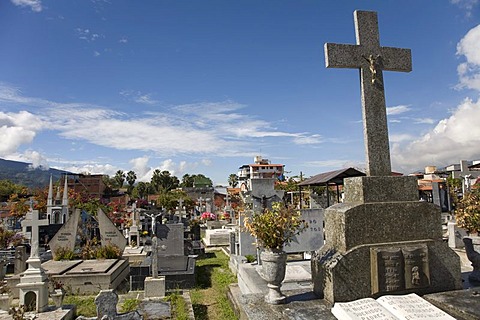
(35, 224)
(154, 257)
(368, 56)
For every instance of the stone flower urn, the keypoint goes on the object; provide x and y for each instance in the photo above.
(274, 265)
(57, 296)
(5, 301)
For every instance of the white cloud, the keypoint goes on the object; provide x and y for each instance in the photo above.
(312, 139)
(96, 53)
(207, 162)
(88, 35)
(123, 40)
(468, 5)
(92, 168)
(397, 110)
(400, 137)
(424, 120)
(452, 139)
(469, 71)
(36, 160)
(141, 168)
(35, 5)
(17, 129)
(139, 97)
(333, 163)
(194, 129)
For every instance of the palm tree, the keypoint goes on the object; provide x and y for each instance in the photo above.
(131, 177)
(233, 180)
(119, 178)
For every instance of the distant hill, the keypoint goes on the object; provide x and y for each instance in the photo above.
(22, 173)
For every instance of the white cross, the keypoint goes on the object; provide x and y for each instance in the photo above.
(35, 224)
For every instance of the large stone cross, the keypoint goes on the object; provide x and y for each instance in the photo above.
(35, 224)
(368, 56)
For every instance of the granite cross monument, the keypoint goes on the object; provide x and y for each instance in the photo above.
(371, 59)
(381, 239)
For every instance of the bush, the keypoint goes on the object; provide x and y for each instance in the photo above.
(63, 253)
(108, 251)
(467, 211)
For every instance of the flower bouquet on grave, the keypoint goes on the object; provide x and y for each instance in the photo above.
(208, 216)
(225, 216)
(274, 228)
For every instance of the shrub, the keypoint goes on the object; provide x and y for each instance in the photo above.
(63, 253)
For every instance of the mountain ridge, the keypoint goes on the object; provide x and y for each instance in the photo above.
(24, 174)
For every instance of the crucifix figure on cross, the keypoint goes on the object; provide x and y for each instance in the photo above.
(368, 56)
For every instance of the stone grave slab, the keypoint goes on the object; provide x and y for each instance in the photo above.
(217, 237)
(92, 266)
(53, 267)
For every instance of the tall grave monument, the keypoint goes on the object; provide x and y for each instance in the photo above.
(33, 284)
(381, 240)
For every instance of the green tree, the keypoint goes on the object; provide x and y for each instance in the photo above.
(7, 188)
(233, 180)
(119, 178)
(163, 181)
(142, 189)
(187, 181)
(131, 177)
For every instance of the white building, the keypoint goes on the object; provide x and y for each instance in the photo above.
(260, 169)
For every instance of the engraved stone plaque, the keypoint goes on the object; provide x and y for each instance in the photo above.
(417, 272)
(387, 270)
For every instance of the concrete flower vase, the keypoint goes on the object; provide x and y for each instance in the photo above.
(274, 265)
(57, 296)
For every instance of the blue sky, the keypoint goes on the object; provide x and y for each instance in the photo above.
(204, 86)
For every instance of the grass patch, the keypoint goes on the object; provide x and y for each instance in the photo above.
(209, 298)
(85, 305)
(178, 306)
(129, 305)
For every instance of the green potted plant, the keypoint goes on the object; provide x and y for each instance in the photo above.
(274, 228)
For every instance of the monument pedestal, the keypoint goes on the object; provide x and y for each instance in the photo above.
(155, 287)
(33, 287)
(382, 240)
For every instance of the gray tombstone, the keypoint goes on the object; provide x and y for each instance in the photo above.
(20, 259)
(170, 239)
(312, 237)
(106, 302)
(65, 237)
(381, 217)
(109, 233)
